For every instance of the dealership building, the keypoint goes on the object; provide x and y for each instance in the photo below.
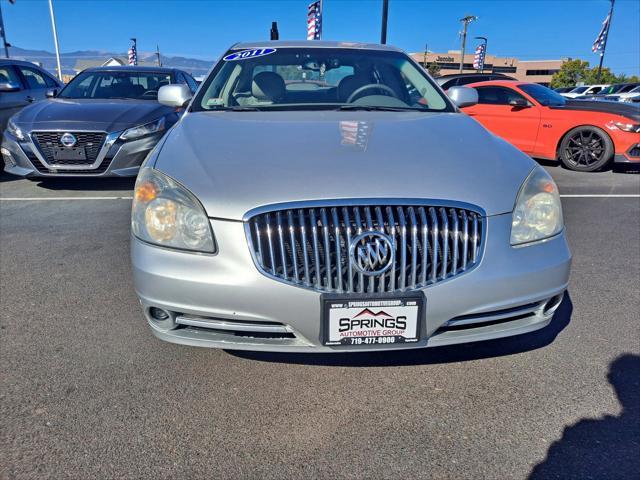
(536, 71)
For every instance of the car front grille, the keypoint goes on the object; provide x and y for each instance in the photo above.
(310, 247)
(91, 141)
(104, 165)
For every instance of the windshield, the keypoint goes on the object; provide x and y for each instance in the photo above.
(543, 95)
(127, 85)
(579, 90)
(318, 78)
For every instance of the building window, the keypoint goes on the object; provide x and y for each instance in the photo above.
(542, 72)
(504, 69)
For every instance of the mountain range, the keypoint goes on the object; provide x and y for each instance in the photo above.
(71, 62)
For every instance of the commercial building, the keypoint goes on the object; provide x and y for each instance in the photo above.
(537, 71)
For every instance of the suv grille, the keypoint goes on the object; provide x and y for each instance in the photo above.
(91, 141)
(309, 247)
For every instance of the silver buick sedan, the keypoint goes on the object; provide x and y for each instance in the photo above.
(329, 197)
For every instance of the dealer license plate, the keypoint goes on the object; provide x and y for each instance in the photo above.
(74, 153)
(369, 321)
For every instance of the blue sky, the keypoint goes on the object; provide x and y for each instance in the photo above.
(527, 29)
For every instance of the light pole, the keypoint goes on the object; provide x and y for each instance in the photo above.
(466, 21)
(55, 38)
(485, 52)
(385, 14)
(2, 32)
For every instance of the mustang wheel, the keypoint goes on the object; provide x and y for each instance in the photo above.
(586, 149)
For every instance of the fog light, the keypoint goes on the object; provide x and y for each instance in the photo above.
(158, 313)
(553, 304)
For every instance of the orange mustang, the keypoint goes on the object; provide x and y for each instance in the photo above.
(584, 135)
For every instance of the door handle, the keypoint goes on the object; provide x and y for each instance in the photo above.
(29, 99)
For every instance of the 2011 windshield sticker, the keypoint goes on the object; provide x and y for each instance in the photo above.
(246, 54)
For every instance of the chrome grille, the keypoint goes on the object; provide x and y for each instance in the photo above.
(91, 141)
(309, 247)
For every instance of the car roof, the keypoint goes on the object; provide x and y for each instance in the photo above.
(13, 61)
(132, 68)
(313, 44)
(463, 75)
(500, 83)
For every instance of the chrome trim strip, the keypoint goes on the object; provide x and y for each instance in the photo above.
(226, 325)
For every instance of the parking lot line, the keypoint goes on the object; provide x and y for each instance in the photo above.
(46, 199)
(42, 199)
(598, 195)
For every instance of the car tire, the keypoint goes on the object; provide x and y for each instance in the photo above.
(586, 149)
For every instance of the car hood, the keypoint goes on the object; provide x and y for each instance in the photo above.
(89, 114)
(616, 108)
(236, 161)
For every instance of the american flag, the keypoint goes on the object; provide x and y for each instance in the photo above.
(478, 59)
(601, 39)
(133, 55)
(314, 21)
(355, 134)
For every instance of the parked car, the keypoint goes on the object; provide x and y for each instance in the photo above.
(585, 90)
(632, 96)
(103, 123)
(583, 135)
(344, 217)
(610, 93)
(459, 79)
(563, 89)
(22, 83)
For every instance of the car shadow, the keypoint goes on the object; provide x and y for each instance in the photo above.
(86, 184)
(606, 447)
(427, 356)
(611, 167)
(7, 177)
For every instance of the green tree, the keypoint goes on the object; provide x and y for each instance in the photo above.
(434, 70)
(575, 71)
(570, 74)
(606, 76)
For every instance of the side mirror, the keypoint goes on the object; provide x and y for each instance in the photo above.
(174, 95)
(519, 102)
(463, 96)
(51, 93)
(9, 87)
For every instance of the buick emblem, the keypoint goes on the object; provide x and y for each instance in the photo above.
(68, 140)
(371, 252)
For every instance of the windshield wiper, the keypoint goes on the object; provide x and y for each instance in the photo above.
(237, 108)
(377, 108)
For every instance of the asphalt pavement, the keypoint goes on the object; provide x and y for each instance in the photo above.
(88, 392)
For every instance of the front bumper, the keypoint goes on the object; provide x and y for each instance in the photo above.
(123, 159)
(223, 301)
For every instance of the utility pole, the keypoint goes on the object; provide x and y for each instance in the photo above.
(158, 55)
(604, 46)
(426, 51)
(385, 14)
(466, 21)
(485, 52)
(55, 38)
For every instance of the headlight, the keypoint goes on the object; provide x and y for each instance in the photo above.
(15, 130)
(624, 126)
(142, 130)
(167, 214)
(538, 211)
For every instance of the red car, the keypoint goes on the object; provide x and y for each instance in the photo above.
(584, 135)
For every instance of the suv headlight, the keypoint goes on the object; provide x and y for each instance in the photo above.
(143, 130)
(538, 212)
(15, 130)
(167, 214)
